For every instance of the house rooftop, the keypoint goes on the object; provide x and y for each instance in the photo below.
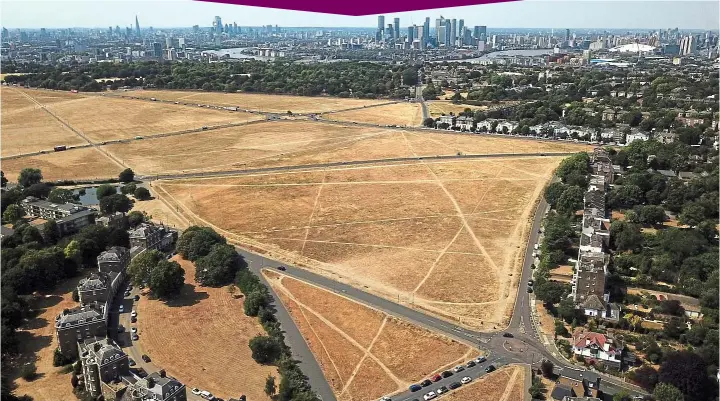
(81, 314)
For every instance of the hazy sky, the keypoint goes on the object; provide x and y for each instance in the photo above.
(526, 14)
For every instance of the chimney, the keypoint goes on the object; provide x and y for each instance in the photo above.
(162, 373)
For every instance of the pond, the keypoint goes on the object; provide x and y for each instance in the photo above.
(90, 196)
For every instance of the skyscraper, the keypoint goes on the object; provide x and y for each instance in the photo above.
(411, 34)
(453, 32)
(217, 24)
(426, 33)
(461, 32)
(396, 26)
(381, 22)
(422, 35)
(137, 27)
(439, 25)
(380, 28)
(448, 33)
(567, 35)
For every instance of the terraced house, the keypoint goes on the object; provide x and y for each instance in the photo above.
(78, 324)
(104, 364)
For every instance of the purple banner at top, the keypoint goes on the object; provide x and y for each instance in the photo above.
(357, 8)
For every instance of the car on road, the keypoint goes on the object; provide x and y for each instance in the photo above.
(454, 385)
(134, 329)
(425, 383)
(135, 337)
(532, 266)
(480, 359)
(429, 396)
(145, 358)
(281, 268)
(459, 368)
(137, 297)
(415, 387)
(529, 290)
(121, 309)
(442, 390)
(129, 287)
(131, 362)
(196, 391)
(446, 374)
(386, 399)
(506, 334)
(490, 368)
(531, 282)
(466, 380)
(470, 364)
(436, 378)
(206, 395)
(133, 313)
(127, 293)
(133, 319)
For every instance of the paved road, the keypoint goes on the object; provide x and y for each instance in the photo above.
(337, 164)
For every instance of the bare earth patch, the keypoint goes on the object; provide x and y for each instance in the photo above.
(201, 338)
(369, 354)
(437, 108)
(403, 114)
(446, 237)
(257, 102)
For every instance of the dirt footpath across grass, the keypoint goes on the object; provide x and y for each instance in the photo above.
(201, 338)
(443, 236)
(257, 101)
(505, 384)
(402, 114)
(75, 164)
(364, 353)
(37, 342)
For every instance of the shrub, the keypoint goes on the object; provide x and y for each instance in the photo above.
(142, 194)
(29, 372)
(59, 359)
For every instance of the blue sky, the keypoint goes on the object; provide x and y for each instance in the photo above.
(685, 14)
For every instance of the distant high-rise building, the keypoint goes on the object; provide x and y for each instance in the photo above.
(381, 22)
(217, 24)
(235, 29)
(168, 42)
(5, 33)
(567, 35)
(441, 35)
(439, 25)
(380, 28)
(396, 26)
(411, 34)
(422, 35)
(448, 33)
(453, 32)
(196, 29)
(461, 27)
(688, 45)
(467, 36)
(426, 31)
(110, 31)
(181, 43)
(389, 31)
(157, 49)
(137, 27)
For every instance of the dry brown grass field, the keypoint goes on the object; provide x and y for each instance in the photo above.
(201, 338)
(447, 235)
(505, 384)
(437, 108)
(403, 114)
(257, 101)
(74, 164)
(364, 353)
(37, 342)
(105, 118)
(27, 128)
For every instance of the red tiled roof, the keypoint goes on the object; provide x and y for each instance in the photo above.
(588, 338)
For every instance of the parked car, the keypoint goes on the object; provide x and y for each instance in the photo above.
(415, 387)
(137, 297)
(436, 378)
(425, 383)
(466, 380)
(145, 358)
(442, 390)
(282, 268)
(531, 282)
(459, 368)
(447, 374)
(480, 359)
(506, 334)
(133, 319)
(121, 309)
(135, 337)
(490, 368)
(429, 396)
(196, 391)
(127, 293)
(133, 314)
(454, 385)
(134, 329)
(529, 290)
(131, 362)
(532, 266)
(470, 364)
(386, 399)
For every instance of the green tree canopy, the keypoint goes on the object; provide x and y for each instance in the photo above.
(115, 203)
(166, 279)
(105, 190)
(29, 176)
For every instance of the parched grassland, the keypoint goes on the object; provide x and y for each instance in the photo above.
(437, 108)
(447, 235)
(506, 384)
(364, 353)
(75, 164)
(402, 114)
(257, 101)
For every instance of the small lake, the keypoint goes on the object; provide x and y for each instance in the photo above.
(90, 196)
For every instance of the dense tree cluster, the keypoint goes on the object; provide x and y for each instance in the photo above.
(216, 262)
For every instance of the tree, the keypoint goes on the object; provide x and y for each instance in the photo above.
(73, 252)
(560, 329)
(50, 232)
(578, 163)
(128, 188)
(674, 327)
(12, 214)
(166, 279)
(105, 190)
(136, 217)
(61, 195)
(566, 310)
(553, 192)
(625, 196)
(142, 194)
(571, 200)
(625, 236)
(667, 392)
(645, 376)
(547, 368)
(254, 301)
(39, 190)
(29, 176)
(127, 175)
(633, 320)
(59, 359)
(218, 267)
(549, 292)
(692, 214)
(687, 372)
(196, 242)
(29, 372)
(264, 349)
(115, 203)
(3, 180)
(622, 395)
(270, 388)
(142, 265)
(429, 122)
(651, 214)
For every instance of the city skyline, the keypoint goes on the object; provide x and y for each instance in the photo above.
(583, 14)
